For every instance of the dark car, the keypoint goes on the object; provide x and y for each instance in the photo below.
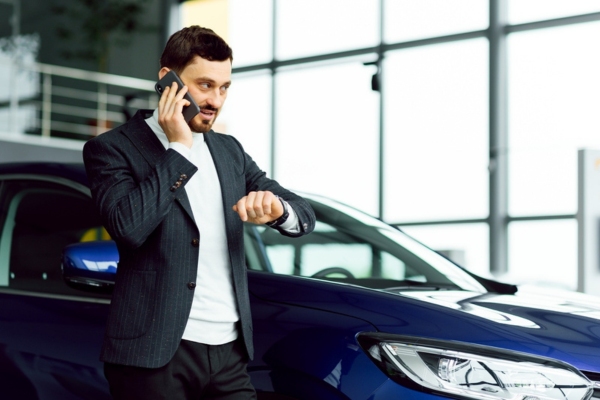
(355, 310)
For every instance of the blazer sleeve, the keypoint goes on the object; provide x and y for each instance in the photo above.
(132, 204)
(256, 180)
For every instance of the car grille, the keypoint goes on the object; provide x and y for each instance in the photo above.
(594, 377)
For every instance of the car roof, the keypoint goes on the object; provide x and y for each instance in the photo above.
(71, 171)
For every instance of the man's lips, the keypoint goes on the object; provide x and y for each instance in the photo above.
(207, 114)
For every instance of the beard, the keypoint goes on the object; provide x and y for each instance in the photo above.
(199, 125)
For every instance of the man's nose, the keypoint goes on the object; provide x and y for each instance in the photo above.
(215, 99)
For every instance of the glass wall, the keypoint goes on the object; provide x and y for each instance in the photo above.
(326, 132)
(544, 253)
(436, 132)
(553, 103)
(407, 20)
(385, 105)
(466, 244)
(310, 27)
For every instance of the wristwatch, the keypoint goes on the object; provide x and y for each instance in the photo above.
(286, 213)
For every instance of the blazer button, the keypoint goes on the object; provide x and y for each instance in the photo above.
(195, 242)
(191, 285)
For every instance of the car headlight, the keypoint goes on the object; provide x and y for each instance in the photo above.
(467, 371)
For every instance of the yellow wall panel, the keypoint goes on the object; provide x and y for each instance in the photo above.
(213, 14)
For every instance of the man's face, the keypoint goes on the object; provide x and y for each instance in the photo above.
(208, 83)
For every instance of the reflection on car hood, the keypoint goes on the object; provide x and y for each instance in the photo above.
(564, 326)
(475, 304)
(513, 309)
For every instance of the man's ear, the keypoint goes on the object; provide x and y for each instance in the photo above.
(163, 71)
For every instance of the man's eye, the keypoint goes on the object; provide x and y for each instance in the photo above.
(205, 85)
(224, 88)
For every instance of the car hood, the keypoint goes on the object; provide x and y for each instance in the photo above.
(563, 326)
(536, 309)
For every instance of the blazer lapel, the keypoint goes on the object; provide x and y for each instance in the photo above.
(145, 140)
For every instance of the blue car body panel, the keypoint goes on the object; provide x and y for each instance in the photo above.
(423, 318)
(533, 332)
(49, 348)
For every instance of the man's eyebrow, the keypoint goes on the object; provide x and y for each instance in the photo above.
(210, 80)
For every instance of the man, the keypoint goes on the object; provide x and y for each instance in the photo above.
(174, 195)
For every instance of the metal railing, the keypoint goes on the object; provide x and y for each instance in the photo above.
(80, 104)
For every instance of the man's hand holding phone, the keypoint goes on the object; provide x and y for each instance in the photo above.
(173, 108)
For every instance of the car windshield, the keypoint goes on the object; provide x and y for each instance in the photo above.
(352, 247)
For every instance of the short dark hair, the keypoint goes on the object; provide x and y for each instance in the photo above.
(194, 41)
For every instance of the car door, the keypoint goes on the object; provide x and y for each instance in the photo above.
(50, 334)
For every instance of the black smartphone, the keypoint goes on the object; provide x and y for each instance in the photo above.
(190, 111)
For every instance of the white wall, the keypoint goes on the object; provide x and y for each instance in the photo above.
(24, 148)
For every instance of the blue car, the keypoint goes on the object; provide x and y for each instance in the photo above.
(355, 310)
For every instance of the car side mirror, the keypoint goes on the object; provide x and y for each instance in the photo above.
(90, 266)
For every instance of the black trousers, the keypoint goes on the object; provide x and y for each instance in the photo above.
(197, 371)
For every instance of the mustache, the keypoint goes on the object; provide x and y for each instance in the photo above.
(209, 108)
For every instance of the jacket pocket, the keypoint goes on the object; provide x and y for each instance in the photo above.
(132, 305)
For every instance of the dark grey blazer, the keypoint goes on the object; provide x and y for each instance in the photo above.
(137, 187)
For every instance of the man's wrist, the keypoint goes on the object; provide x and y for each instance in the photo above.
(284, 217)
